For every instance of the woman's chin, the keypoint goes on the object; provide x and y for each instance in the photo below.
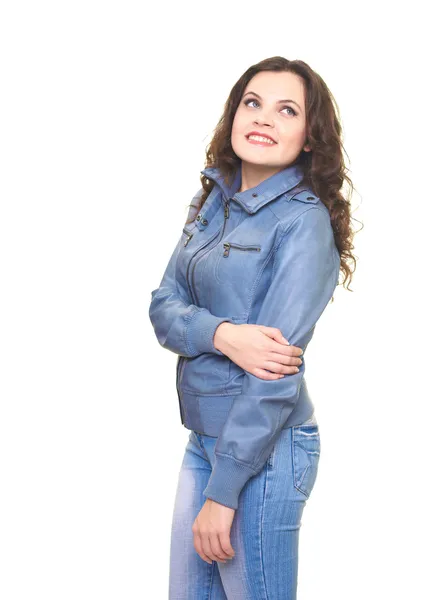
(254, 158)
(262, 163)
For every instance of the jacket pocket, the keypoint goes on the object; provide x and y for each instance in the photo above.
(205, 374)
(305, 457)
(229, 245)
(237, 262)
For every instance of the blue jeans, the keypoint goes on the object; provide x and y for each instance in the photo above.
(265, 528)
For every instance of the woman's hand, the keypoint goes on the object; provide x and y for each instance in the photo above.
(211, 531)
(258, 349)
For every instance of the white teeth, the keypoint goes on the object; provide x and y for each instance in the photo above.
(259, 138)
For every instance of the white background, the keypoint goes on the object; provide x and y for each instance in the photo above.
(106, 109)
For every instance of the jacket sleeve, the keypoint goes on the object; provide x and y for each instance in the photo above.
(305, 274)
(183, 328)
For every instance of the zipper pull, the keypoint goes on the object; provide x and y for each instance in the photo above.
(189, 236)
(226, 210)
(226, 248)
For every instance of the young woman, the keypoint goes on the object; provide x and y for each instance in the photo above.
(255, 266)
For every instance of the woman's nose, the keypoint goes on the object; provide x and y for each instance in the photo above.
(263, 119)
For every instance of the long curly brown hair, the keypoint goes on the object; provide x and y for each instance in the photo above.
(324, 169)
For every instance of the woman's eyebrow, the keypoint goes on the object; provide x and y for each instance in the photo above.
(278, 101)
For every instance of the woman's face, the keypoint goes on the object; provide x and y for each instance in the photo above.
(273, 104)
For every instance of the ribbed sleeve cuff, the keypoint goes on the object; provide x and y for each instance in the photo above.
(201, 330)
(227, 479)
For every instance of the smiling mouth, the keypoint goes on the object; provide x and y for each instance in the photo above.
(260, 139)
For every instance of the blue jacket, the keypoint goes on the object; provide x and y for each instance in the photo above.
(267, 256)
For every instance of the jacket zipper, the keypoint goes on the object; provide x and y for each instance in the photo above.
(209, 248)
(228, 245)
(180, 367)
(191, 259)
(189, 234)
(182, 359)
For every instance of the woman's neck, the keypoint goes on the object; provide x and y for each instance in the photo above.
(252, 175)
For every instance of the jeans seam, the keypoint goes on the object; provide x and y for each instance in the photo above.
(211, 579)
(262, 567)
(200, 441)
(294, 466)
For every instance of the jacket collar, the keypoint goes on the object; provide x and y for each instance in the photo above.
(254, 198)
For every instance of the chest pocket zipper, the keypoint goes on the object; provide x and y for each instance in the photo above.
(228, 245)
(189, 236)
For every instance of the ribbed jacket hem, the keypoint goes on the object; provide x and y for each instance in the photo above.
(201, 330)
(227, 480)
(208, 414)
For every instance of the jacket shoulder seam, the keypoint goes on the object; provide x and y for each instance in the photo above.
(282, 221)
(292, 222)
(286, 231)
(275, 215)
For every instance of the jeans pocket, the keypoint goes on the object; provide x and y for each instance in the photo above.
(305, 457)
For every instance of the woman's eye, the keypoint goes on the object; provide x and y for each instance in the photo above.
(247, 102)
(290, 108)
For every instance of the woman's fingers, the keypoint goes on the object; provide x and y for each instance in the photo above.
(279, 369)
(218, 552)
(263, 374)
(226, 545)
(274, 370)
(287, 351)
(283, 359)
(278, 342)
(210, 546)
(199, 549)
